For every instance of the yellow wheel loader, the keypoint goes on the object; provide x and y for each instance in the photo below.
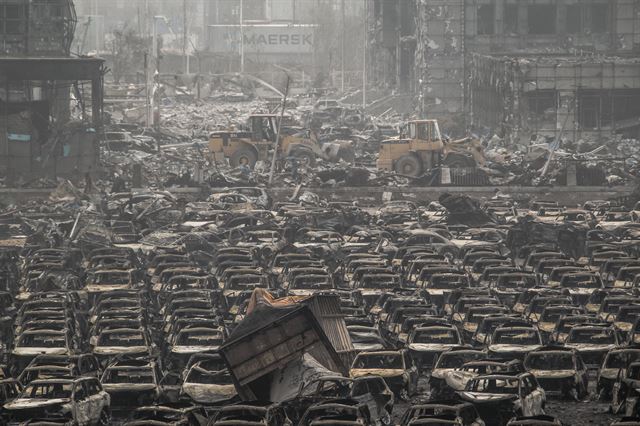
(424, 148)
(249, 147)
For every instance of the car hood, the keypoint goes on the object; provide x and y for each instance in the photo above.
(92, 288)
(441, 373)
(468, 243)
(28, 403)
(484, 398)
(431, 346)
(500, 347)
(115, 350)
(203, 393)
(382, 372)
(609, 373)
(553, 374)
(38, 351)
(457, 380)
(193, 349)
(126, 387)
(586, 347)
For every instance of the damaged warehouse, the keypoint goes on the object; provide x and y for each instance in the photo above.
(42, 133)
(320, 212)
(435, 50)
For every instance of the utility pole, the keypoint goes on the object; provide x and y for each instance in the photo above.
(148, 61)
(242, 36)
(156, 75)
(365, 39)
(147, 90)
(96, 30)
(344, 36)
(293, 11)
(185, 34)
(275, 147)
(147, 19)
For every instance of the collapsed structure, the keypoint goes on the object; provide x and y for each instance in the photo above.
(50, 102)
(520, 68)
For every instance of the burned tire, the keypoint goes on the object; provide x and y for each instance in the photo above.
(305, 158)
(408, 165)
(243, 156)
(105, 418)
(347, 154)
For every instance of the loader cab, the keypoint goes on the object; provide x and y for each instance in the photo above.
(424, 131)
(263, 127)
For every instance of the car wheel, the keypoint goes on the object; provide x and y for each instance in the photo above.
(404, 394)
(305, 158)
(105, 418)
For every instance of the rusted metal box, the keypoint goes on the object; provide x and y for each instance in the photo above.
(252, 357)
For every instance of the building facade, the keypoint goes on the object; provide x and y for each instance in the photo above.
(50, 102)
(538, 66)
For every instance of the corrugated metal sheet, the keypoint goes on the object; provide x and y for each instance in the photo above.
(326, 309)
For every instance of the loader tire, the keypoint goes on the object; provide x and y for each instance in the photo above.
(347, 154)
(408, 165)
(305, 158)
(457, 161)
(243, 156)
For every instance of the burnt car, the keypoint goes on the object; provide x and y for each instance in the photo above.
(132, 382)
(462, 413)
(614, 363)
(168, 414)
(370, 390)
(395, 367)
(457, 379)
(560, 371)
(250, 413)
(447, 362)
(592, 342)
(500, 397)
(540, 420)
(509, 342)
(625, 391)
(336, 412)
(425, 344)
(207, 382)
(80, 401)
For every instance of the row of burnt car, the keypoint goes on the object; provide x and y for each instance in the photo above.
(130, 329)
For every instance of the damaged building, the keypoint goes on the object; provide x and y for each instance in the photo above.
(50, 102)
(517, 67)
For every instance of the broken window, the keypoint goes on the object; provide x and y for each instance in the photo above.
(574, 18)
(589, 111)
(604, 108)
(543, 108)
(587, 18)
(486, 19)
(542, 19)
(599, 18)
(511, 18)
(12, 19)
(255, 10)
(625, 108)
(228, 11)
